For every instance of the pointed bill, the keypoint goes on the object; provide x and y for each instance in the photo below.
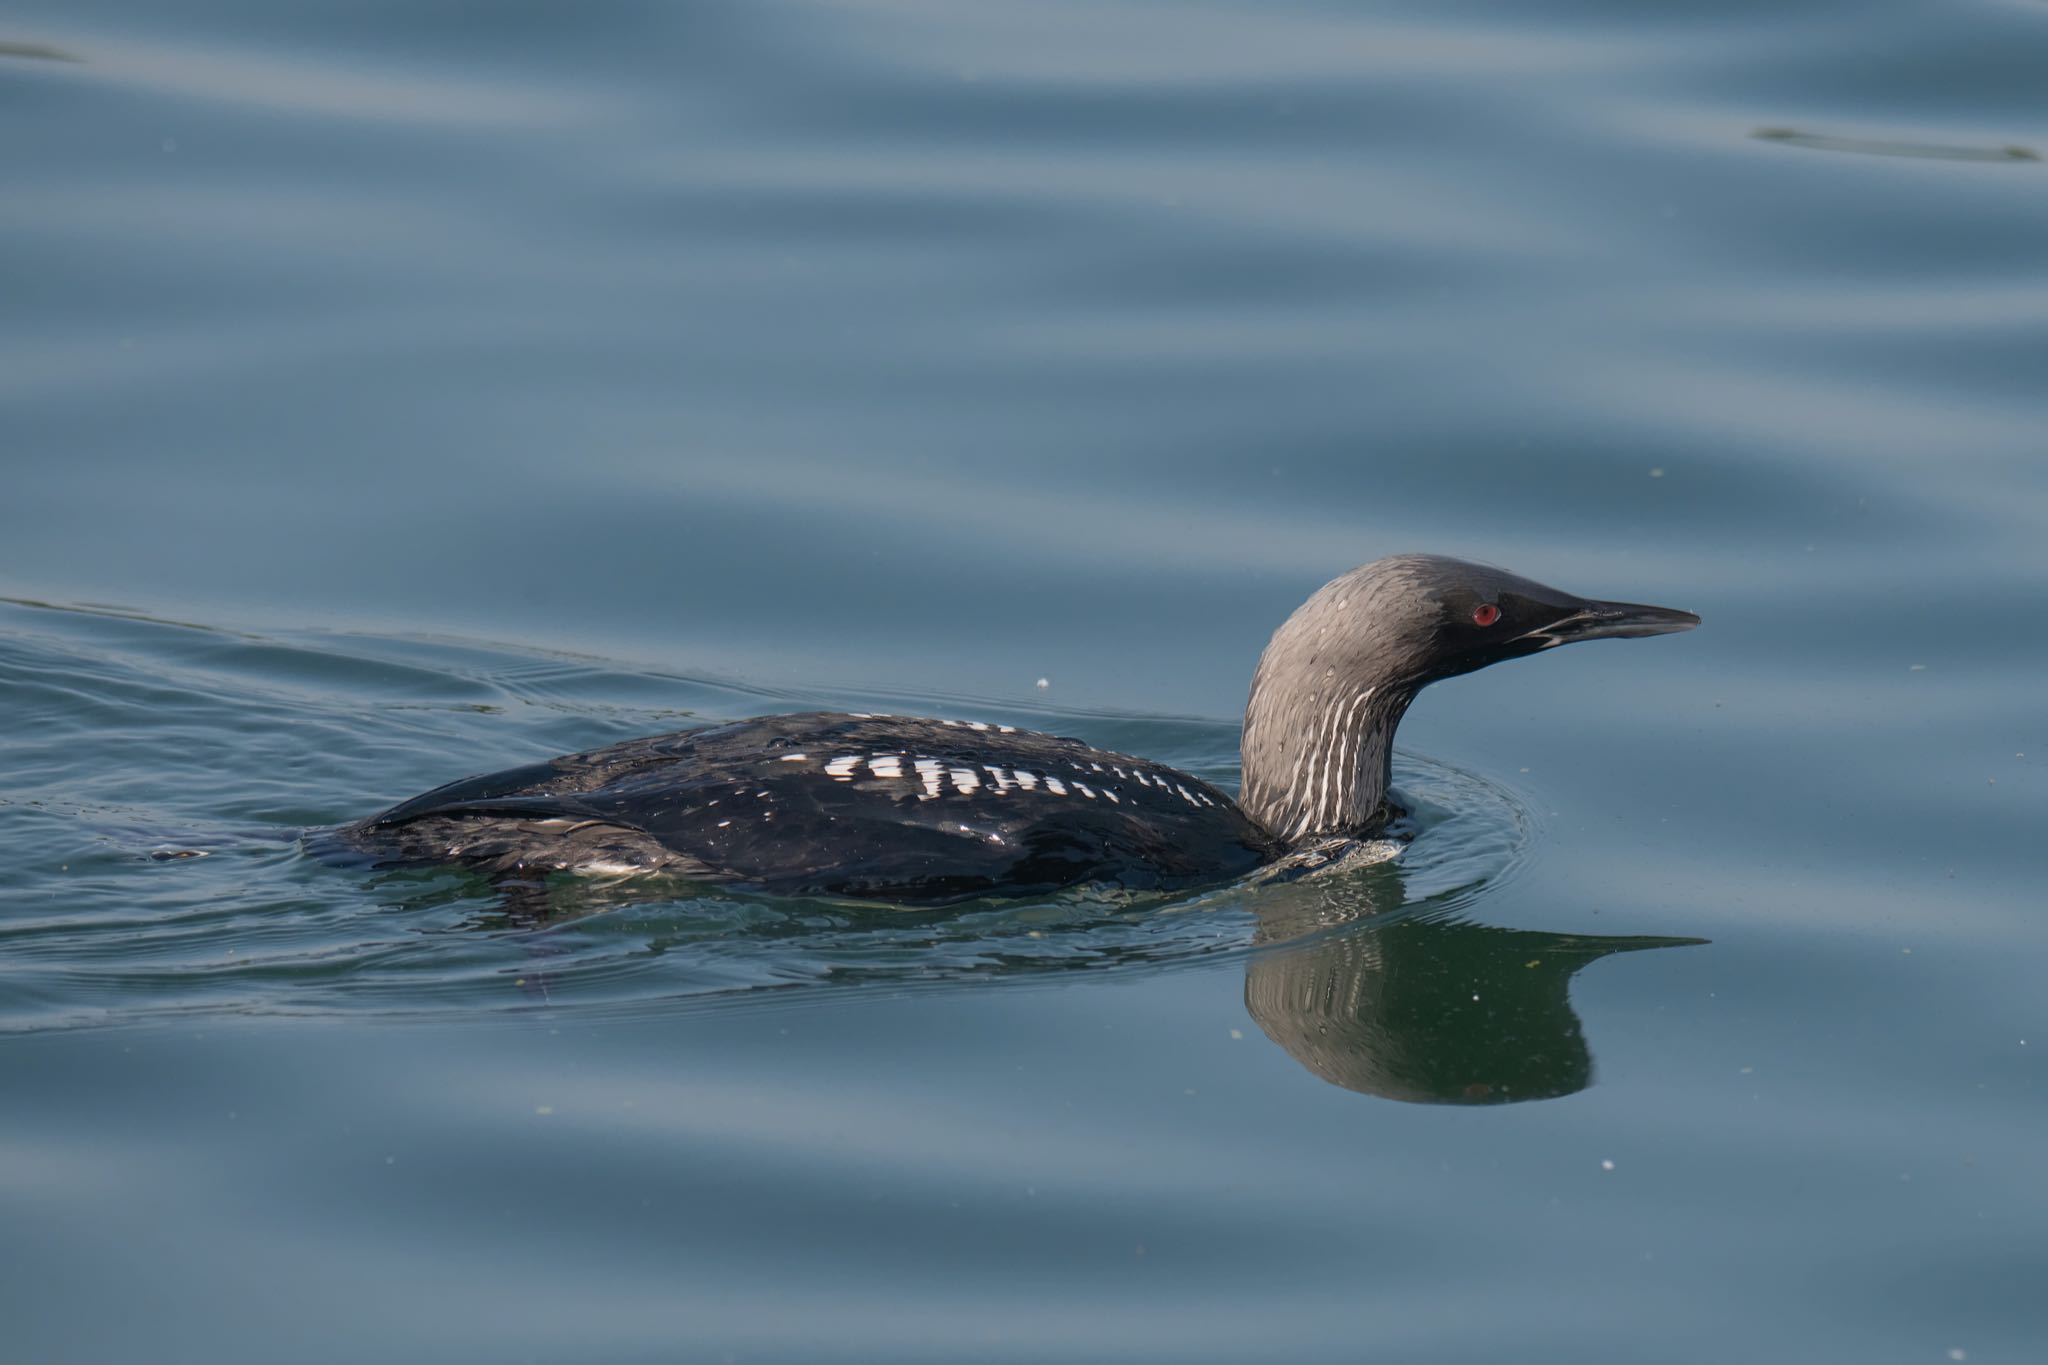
(1618, 621)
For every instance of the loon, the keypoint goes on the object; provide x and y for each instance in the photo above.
(928, 812)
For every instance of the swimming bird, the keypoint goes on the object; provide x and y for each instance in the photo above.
(924, 812)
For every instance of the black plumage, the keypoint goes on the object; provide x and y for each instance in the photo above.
(886, 808)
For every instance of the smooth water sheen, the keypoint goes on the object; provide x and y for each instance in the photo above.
(391, 392)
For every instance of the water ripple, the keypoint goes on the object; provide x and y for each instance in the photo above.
(277, 82)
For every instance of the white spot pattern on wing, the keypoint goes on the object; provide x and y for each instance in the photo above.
(607, 867)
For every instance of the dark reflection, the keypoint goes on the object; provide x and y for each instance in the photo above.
(1822, 142)
(1365, 988)
(36, 52)
(1432, 1010)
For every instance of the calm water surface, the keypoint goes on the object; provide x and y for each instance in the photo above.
(390, 392)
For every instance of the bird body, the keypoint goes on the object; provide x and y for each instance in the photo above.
(918, 811)
(889, 808)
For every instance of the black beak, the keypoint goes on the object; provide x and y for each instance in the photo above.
(1614, 620)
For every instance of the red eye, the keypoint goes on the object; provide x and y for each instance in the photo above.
(1485, 614)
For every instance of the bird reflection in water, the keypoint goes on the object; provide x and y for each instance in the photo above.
(1363, 987)
(1424, 1008)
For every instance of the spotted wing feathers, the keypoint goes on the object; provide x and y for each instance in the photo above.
(877, 807)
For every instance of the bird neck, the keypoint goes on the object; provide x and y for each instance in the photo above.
(1331, 686)
(1318, 758)
(1319, 735)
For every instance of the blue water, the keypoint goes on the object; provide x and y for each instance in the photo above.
(390, 392)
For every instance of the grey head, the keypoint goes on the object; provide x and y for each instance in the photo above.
(1340, 672)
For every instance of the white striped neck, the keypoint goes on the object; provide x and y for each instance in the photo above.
(1319, 761)
(1331, 686)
